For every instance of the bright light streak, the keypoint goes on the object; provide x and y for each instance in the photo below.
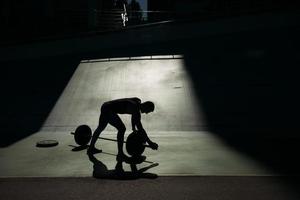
(162, 79)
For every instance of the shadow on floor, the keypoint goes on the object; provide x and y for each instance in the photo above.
(246, 85)
(29, 91)
(101, 171)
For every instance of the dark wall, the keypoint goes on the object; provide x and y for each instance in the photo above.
(29, 90)
(34, 19)
(247, 83)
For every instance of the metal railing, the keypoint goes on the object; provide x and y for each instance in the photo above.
(70, 21)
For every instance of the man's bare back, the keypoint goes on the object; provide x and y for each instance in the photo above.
(123, 106)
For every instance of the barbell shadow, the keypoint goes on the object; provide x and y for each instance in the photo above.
(145, 161)
(84, 147)
(135, 146)
(79, 148)
(101, 171)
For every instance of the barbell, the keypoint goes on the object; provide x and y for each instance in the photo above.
(135, 143)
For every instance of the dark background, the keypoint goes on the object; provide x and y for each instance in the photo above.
(244, 65)
(28, 20)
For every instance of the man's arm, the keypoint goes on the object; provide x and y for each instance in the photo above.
(153, 145)
(136, 121)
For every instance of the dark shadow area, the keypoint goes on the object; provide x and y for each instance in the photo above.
(101, 171)
(79, 148)
(247, 83)
(29, 90)
(39, 19)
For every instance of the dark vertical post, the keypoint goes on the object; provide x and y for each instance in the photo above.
(92, 14)
(49, 8)
(5, 11)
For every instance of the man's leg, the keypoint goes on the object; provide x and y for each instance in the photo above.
(120, 138)
(116, 122)
(103, 121)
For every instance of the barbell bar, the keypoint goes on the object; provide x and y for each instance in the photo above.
(135, 143)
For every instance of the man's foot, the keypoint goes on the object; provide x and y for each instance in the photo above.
(119, 168)
(93, 150)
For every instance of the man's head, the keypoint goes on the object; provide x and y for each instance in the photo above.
(147, 107)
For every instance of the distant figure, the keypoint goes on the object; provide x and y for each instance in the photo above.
(109, 115)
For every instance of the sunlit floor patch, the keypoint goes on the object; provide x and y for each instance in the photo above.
(163, 81)
(180, 154)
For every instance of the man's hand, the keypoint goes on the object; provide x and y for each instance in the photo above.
(153, 145)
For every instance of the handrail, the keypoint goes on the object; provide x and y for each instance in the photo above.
(74, 22)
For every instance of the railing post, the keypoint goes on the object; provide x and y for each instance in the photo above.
(92, 14)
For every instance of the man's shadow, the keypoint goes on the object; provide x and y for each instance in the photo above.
(101, 171)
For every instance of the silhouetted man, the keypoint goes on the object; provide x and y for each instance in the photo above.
(109, 115)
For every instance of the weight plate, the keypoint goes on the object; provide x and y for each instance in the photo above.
(47, 143)
(82, 135)
(135, 144)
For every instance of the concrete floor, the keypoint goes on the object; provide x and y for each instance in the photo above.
(177, 125)
(191, 188)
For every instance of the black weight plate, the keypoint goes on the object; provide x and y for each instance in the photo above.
(135, 144)
(47, 143)
(82, 135)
